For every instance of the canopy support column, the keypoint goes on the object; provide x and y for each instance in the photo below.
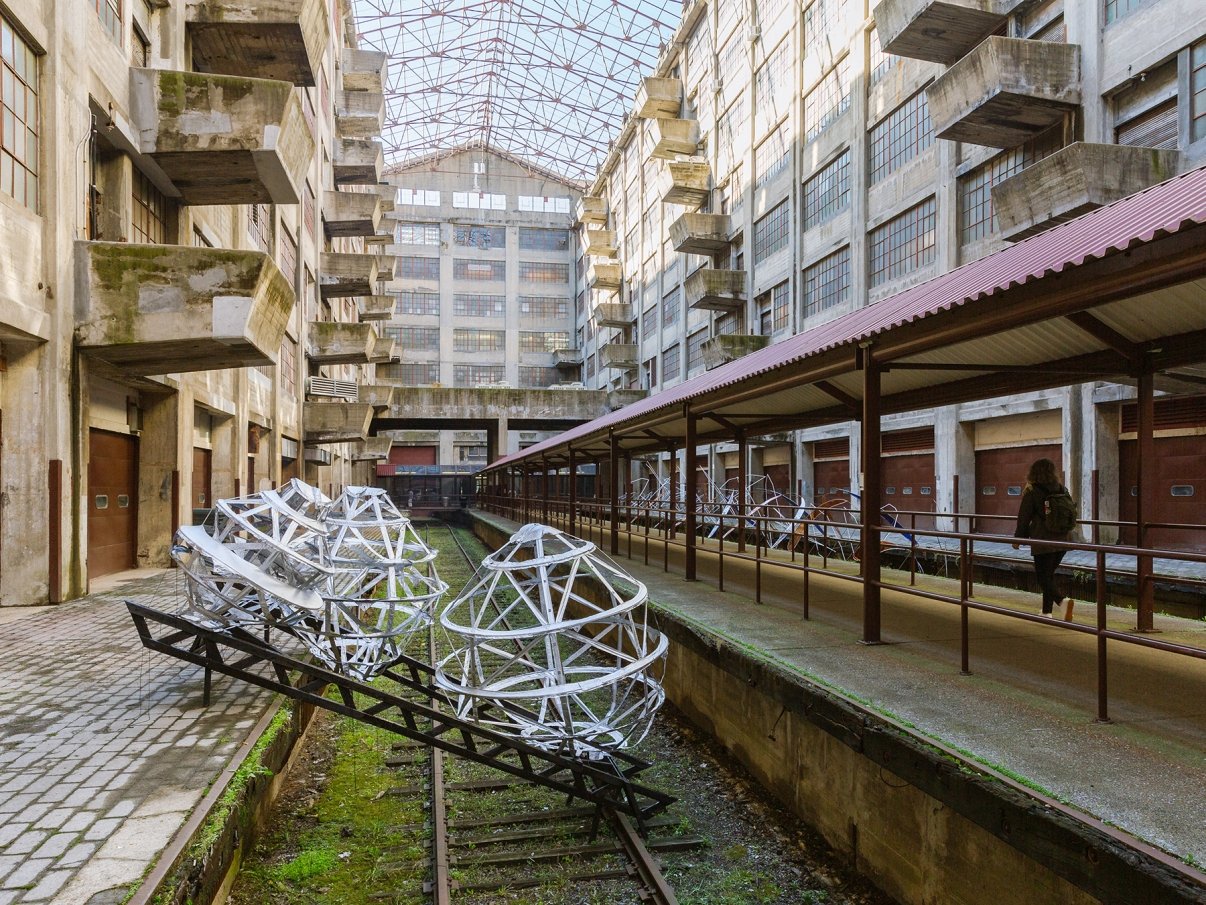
(527, 494)
(689, 492)
(546, 486)
(613, 488)
(742, 479)
(872, 502)
(573, 491)
(672, 520)
(1144, 503)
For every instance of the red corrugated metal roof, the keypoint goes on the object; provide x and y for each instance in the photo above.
(1161, 210)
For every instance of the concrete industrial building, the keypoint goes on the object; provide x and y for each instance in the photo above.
(781, 169)
(188, 197)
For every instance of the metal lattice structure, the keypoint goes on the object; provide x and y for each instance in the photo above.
(550, 644)
(546, 81)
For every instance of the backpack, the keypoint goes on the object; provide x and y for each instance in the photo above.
(1059, 512)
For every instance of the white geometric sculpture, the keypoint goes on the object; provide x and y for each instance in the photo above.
(349, 577)
(580, 684)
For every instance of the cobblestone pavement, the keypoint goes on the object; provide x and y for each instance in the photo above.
(104, 746)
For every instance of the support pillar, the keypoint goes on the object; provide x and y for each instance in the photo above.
(613, 488)
(1144, 503)
(689, 492)
(673, 504)
(871, 495)
(742, 479)
(527, 494)
(548, 492)
(573, 491)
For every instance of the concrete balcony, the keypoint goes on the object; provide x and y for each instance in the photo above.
(604, 277)
(358, 162)
(591, 210)
(364, 70)
(374, 449)
(1006, 91)
(335, 422)
(614, 314)
(161, 309)
(567, 358)
(715, 290)
(359, 114)
(376, 307)
(941, 31)
(1074, 181)
(346, 214)
(687, 182)
(700, 234)
(348, 274)
(387, 266)
(386, 352)
(674, 138)
(659, 98)
(222, 139)
(601, 243)
(378, 395)
(268, 39)
(341, 343)
(617, 399)
(722, 349)
(389, 197)
(619, 356)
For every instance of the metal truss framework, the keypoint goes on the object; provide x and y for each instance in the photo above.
(545, 80)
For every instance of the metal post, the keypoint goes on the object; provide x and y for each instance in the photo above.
(872, 482)
(573, 491)
(548, 492)
(613, 481)
(742, 478)
(527, 494)
(1145, 501)
(689, 457)
(1103, 710)
(673, 515)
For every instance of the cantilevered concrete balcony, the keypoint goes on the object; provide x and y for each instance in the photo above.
(222, 139)
(374, 449)
(1005, 92)
(619, 356)
(386, 352)
(389, 197)
(942, 31)
(378, 395)
(567, 358)
(614, 314)
(659, 98)
(160, 309)
(674, 138)
(617, 399)
(335, 422)
(722, 349)
(364, 70)
(270, 39)
(601, 243)
(358, 162)
(348, 274)
(715, 290)
(376, 307)
(387, 266)
(340, 343)
(1074, 181)
(359, 114)
(346, 214)
(700, 234)
(604, 277)
(686, 182)
(592, 210)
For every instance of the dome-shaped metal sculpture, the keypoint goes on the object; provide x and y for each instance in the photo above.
(550, 643)
(348, 577)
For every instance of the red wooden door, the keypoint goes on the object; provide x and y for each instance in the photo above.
(112, 502)
(202, 478)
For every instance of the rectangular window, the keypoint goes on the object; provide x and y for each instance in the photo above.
(483, 237)
(477, 375)
(537, 378)
(903, 244)
(726, 324)
(547, 341)
(648, 323)
(110, 17)
(822, 19)
(881, 63)
(531, 239)
(480, 271)
(288, 368)
(543, 308)
(781, 306)
(975, 188)
(287, 255)
(467, 340)
(148, 215)
(419, 339)
(649, 373)
(772, 82)
(1153, 128)
(671, 366)
(773, 155)
(543, 272)
(591, 365)
(409, 233)
(770, 231)
(415, 268)
(828, 191)
(479, 201)
(422, 303)
(670, 306)
(140, 48)
(419, 197)
(308, 209)
(545, 204)
(412, 375)
(900, 136)
(826, 283)
(1116, 9)
(730, 137)
(474, 305)
(695, 349)
(828, 100)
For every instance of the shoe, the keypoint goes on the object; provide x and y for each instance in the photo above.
(1068, 604)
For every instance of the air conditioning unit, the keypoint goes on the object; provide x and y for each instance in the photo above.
(568, 386)
(337, 389)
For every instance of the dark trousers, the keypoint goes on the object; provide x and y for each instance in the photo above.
(1045, 565)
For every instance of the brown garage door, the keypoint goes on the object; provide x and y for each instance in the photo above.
(909, 486)
(1000, 478)
(413, 455)
(112, 502)
(1180, 493)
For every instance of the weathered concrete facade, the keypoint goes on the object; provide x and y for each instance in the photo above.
(823, 181)
(162, 246)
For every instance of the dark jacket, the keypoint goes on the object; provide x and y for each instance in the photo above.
(1030, 517)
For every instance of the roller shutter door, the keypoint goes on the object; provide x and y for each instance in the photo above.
(907, 472)
(831, 470)
(1180, 493)
(1000, 479)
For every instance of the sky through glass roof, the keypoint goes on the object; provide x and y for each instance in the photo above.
(548, 81)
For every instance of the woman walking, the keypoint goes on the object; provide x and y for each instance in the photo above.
(1045, 510)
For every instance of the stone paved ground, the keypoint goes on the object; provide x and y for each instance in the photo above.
(104, 746)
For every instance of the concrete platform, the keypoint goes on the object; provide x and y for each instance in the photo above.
(1028, 707)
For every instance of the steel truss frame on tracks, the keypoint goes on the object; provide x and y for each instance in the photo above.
(238, 654)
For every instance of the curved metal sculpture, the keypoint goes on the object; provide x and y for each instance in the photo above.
(583, 683)
(348, 577)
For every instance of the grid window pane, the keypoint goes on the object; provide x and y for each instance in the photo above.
(424, 303)
(976, 216)
(1197, 91)
(695, 344)
(900, 136)
(881, 62)
(828, 100)
(413, 268)
(481, 271)
(417, 339)
(773, 155)
(474, 375)
(828, 191)
(472, 304)
(670, 307)
(483, 237)
(671, 362)
(468, 340)
(826, 283)
(543, 308)
(903, 244)
(543, 272)
(19, 119)
(412, 375)
(1116, 9)
(148, 216)
(822, 19)
(110, 16)
(648, 323)
(537, 378)
(531, 239)
(770, 232)
(781, 306)
(418, 233)
(544, 341)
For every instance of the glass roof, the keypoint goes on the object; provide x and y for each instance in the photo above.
(547, 81)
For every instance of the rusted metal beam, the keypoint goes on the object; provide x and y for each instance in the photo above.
(1108, 335)
(840, 395)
